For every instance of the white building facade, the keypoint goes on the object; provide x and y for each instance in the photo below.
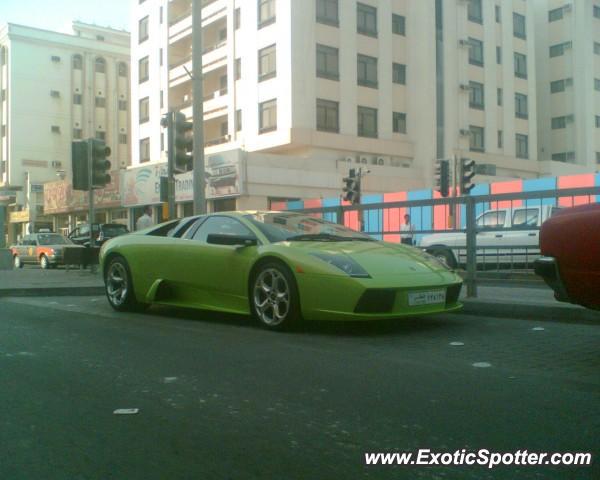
(57, 88)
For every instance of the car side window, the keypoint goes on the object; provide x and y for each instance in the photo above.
(526, 217)
(221, 225)
(492, 220)
(85, 230)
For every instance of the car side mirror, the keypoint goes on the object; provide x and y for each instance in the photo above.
(234, 240)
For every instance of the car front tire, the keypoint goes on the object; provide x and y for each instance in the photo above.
(118, 284)
(44, 263)
(444, 255)
(274, 298)
(17, 263)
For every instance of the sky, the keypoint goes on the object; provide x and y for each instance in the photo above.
(57, 15)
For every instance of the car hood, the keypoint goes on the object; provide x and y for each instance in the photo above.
(377, 258)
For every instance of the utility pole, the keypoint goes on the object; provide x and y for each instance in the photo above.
(90, 146)
(198, 110)
(170, 161)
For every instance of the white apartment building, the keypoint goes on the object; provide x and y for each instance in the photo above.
(303, 90)
(56, 88)
(568, 62)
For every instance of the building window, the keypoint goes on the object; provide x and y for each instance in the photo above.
(160, 57)
(367, 122)
(122, 69)
(521, 110)
(556, 14)
(123, 105)
(267, 63)
(100, 102)
(597, 84)
(328, 62)
(367, 71)
(522, 145)
(366, 20)
(399, 122)
(499, 55)
(477, 141)
(499, 94)
(162, 99)
(238, 120)
(475, 52)
(100, 135)
(597, 121)
(3, 95)
(598, 158)
(144, 109)
(237, 19)
(77, 62)
(55, 129)
(559, 49)
(160, 15)
(144, 150)
(2, 56)
(3, 130)
(143, 30)
(399, 73)
(520, 65)
(398, 24)
(498, 14)
(476, 97)
(144, 69)
(597, 48)
(77, 98)
(519, 28)
(77, 134)
(328, 116)
(500, 139)
(561, 122)
(596, 11)
(565, 157)
(100, 65)
(327, 12)
(237, 69)
(122, 138)
(266, 12)
(475, 12)
(267, 116)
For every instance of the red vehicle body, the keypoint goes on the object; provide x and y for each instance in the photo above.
(570, 262)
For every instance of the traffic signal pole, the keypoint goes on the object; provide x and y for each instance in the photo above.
(90, 148)
(170, 165)
(198, 110)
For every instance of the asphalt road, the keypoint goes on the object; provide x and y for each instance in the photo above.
(219, 398)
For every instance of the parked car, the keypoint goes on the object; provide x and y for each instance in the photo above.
(279, 266)
(47, 249)
(509, 230)
(570, 262)
(102, 233)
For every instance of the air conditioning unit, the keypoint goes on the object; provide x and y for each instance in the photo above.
(56, 164)
(123, 164)
(568, 45)
(348, 159)
(464, 42)
(380, 161)
(54, 93)
(364, 160)
(55, 58)
(567, 8)
(465, 87)
(464, 132)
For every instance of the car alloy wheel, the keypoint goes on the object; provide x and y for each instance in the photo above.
(271, 297)
(17, 262)
(44, 263)
(117, 284)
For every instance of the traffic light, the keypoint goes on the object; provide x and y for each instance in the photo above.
(100, 164)
(352, 187)
(79, 164)
(183, 143)
(467, 172)
(442, 177)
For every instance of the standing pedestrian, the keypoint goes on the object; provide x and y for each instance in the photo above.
(145, 221)
(407, 229)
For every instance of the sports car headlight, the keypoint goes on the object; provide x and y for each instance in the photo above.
(344, 263)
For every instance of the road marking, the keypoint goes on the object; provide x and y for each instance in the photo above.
(538, 328)
(456, 344)
(481, 364)
(169, 379)
(126, 411)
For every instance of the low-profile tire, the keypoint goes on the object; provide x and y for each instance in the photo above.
(444, 255)
(44, 262)
(17, 263)
(118, 285)
(274, 298)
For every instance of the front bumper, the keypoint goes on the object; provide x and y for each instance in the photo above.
(547, 268)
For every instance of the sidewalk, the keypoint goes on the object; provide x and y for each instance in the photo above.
(504, 298)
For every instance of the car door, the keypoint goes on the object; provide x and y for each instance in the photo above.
(218, 273)
(74, 235)
(493, 240)
(29, 252)
(525, 233)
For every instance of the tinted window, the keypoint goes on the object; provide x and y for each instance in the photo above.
(52, 239)
(114, 230)
(492, 220)
(222, 226)
(526, 217)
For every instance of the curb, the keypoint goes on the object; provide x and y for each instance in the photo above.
(548, 313)
(51, 292)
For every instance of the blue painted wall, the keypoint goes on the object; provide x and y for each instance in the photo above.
(373, 219)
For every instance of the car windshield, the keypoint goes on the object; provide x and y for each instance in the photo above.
(114, 230)
(52, 239)
(288, 226)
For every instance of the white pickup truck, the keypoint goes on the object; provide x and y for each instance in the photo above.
(509, 231)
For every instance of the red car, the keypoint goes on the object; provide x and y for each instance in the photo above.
(570, 262)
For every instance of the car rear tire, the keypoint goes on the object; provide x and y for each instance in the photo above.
(118, 284)
(17, 263)
(444, 255)
(274, 298)
(44, 262)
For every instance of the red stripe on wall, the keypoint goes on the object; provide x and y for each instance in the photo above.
(440, 214)
(575, 181)
(393, 217)
(515, 186)
(314, 203)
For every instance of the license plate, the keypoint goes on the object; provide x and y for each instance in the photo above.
(427, 297)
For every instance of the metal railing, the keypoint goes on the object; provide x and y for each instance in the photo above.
(459, 215)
